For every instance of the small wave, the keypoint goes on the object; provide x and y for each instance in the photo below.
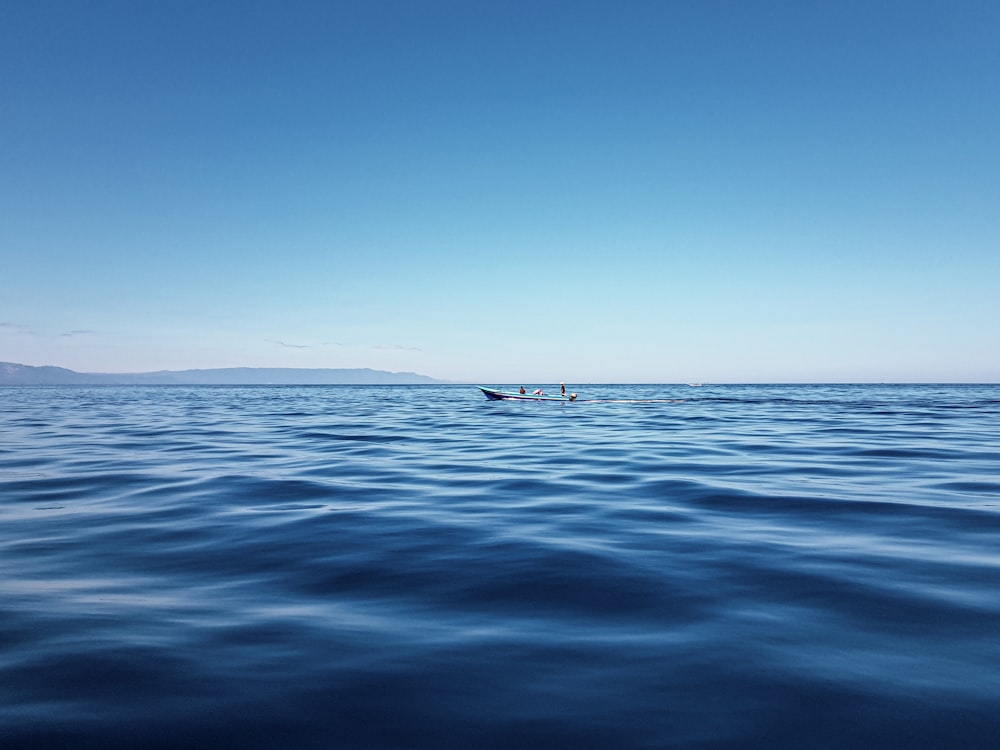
(262, 567)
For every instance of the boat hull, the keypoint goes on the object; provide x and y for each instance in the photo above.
(495, 395)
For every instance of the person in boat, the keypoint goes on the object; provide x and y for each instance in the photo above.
(522, 390)
(562, 388)
(537, 392)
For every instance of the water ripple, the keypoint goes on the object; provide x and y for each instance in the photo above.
(720, 567)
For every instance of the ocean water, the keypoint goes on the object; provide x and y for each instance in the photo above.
(418, 567)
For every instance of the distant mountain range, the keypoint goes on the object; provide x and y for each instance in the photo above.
(15, 374)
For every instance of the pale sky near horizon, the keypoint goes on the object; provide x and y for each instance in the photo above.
(620, 191)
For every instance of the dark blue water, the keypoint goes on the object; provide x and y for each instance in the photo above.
(409, 567)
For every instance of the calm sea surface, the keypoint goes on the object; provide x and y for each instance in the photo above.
(418, 567)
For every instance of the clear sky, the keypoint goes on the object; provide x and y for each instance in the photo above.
(621, 191)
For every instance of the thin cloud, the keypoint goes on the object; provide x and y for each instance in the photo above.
(26, 331)
(81, 332)
(396, 348)
(293, 346)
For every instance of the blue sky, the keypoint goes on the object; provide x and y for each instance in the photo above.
(504, 191)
